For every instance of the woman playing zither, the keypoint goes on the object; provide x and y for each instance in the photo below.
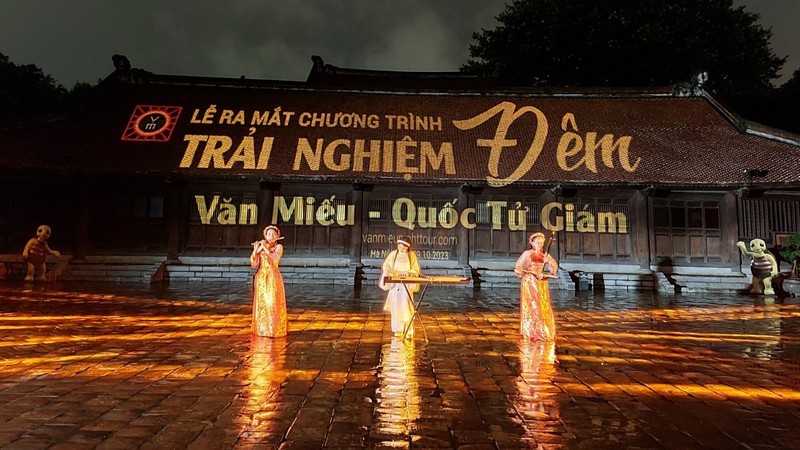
(536, 314)
(400, 297)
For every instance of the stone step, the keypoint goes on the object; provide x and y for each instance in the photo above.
(243, 273)
(108, 270)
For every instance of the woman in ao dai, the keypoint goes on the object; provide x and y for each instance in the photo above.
(269, 296)
(400, 297)
(535, 312)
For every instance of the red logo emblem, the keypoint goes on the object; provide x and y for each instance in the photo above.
(151, 123)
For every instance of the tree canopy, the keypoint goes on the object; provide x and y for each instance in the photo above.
(792, 87)
(627, 43)
(779, 108)
(26, 92)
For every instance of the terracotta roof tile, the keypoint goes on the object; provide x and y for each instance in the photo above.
(671, 141)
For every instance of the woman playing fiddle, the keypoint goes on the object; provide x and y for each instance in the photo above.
(536, 314)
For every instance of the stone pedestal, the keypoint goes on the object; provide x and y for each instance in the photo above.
(791, 286)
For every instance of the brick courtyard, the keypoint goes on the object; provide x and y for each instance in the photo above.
(88, 365)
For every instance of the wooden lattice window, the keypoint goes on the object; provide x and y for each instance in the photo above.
(388, 218)
(765, 218)
(687, 231)
(494, 235)
(598, 229)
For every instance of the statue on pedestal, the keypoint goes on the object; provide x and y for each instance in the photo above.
(763, 266)
(35, 253)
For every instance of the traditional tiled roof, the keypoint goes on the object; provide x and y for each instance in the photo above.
(330, 128)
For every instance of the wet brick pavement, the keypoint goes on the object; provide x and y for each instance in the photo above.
(85, 366)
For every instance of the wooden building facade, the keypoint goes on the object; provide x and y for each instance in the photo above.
(165, 177)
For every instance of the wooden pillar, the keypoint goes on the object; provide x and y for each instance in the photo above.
(361, 204)
(555, 246)
(266, 202)
(462, 232)
(176, 217)
(83, 222)
(729, 231)
(639, 228)
(360, 199)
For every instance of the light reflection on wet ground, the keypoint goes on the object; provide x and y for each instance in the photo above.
(92, 365)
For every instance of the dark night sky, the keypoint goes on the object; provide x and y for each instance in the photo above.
(74, 40)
